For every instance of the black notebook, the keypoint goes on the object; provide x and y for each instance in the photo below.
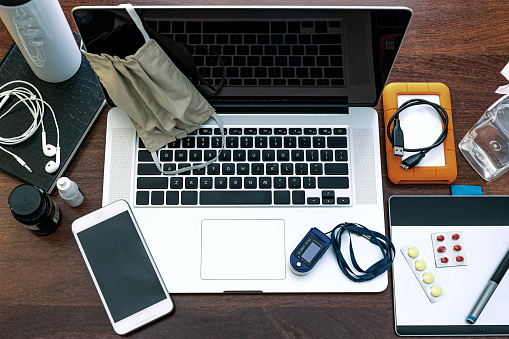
(77, 104)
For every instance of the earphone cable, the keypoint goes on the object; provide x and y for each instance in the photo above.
(35, 104)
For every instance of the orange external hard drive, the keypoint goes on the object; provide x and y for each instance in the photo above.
(443, 170)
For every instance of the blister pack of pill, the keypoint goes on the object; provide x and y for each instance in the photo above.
(448, 249)
(423, 271)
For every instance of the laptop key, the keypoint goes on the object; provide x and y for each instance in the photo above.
(220, 182)
(253, 155)
(336, 142)
(244, 197)
(145, 156)
(176, 182)
(294, 182)
(250, 182)
(328, 194)
(304, 142)
(333, 182)
(157, 198)
(282, 197)
(191, 182)
(301, 169)
(336, 168)
(268, 155)
(148, 169)
(265, 182)
(343, 201)
(316, 169)
(297, 155)
(318, 142)
(298, 197)
(340, 131)
(142, 197)
(341, 155)
(189, 197)
(313, 201)
(152, 183)
(206, 182)
(257, 169)
(326, 155)
(235, 182)
(309, 182)
(279, 182)
(172, 198)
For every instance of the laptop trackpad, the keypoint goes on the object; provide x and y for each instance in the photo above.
(243, 249)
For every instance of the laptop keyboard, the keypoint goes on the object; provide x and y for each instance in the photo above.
(277, 53)
(269, 166)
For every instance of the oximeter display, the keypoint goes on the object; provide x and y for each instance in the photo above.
(309, 251)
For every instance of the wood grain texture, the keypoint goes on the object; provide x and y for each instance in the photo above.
(46, 291)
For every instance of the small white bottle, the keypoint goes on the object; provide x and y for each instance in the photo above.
(70, 192)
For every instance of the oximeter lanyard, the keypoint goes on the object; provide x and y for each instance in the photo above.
(376, 238)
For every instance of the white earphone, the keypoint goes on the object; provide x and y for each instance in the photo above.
(35, 105)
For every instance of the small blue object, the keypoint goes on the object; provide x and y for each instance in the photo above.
(471, 320)
(465, 190)
(309, 251)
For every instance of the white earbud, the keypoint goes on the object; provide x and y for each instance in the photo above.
(48, 149)
(52, 166)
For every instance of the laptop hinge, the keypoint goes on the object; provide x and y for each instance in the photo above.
(289, 108)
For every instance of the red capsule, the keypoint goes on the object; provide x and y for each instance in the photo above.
(459, 258)
(441, 249)
(444, 260)
(457, 247)
(455, 236)
(440, 238)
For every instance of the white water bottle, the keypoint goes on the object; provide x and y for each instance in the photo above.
(43, 35)
(69, 191)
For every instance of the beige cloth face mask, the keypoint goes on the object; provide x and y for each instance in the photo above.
(161, 102)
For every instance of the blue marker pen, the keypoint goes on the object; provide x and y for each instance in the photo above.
(488, 290)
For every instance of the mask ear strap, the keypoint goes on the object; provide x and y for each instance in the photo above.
(132, 13)
(155, 156)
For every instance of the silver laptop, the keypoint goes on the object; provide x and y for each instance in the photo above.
(302, 144)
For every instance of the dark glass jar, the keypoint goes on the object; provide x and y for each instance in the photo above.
(34, 209)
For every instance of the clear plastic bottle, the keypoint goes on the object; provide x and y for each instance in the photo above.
(69, 191)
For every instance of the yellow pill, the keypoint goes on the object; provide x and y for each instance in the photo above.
(436, 291)
(413, 252)
(420, 265)
(428, 278)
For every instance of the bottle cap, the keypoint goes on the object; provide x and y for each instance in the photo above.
(26, 201)
(13, 2)
(63, 184)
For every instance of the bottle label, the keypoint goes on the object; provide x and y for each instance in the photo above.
(31, 227)
(76, 201)
(56, 215)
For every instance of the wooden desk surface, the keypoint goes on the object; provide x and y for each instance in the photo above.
(46, 290)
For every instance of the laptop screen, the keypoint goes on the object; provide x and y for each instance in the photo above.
(265, 56)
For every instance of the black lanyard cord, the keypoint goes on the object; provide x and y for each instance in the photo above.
(376, 238)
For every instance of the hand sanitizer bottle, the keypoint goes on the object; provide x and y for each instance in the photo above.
(69, 191)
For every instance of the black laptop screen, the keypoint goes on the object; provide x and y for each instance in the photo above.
(281, 57)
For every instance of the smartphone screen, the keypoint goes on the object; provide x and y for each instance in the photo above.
(121, 266)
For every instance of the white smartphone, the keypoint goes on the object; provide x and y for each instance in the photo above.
(123, 271)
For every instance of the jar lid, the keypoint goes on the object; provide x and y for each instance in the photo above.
(26, 201)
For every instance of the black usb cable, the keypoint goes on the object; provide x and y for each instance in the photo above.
(397, 139)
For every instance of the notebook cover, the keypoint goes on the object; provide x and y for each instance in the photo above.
(77, 103)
